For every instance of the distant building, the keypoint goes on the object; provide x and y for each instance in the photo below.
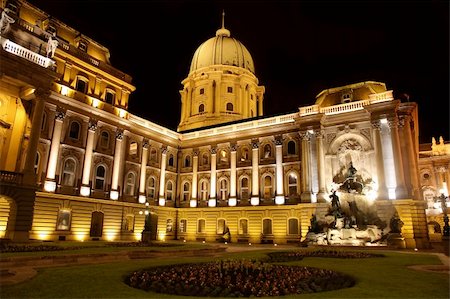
(76, 165)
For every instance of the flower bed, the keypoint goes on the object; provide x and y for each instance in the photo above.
(237, 278)
(299, 255)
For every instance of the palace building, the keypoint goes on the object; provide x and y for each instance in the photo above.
(75, 164)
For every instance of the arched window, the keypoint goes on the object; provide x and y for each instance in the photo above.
(291, 147)
(201, 226)
(68, 176)
(293, 226)
(169, 190)
(243, 226)
(151, 187)
(267, 151)
(153, 155)
(104, 139)
(100, 173)
(223, 189)
(183, 226)
(205, 159)
(267, 226)
(74, 131)
(292, 183)
(229, 107)
(221, 224)
(244, 188)
(187, 161)
(82, 84)
(201, 108)
(186, 191)
(171, 160)
(130, 183)
(204, 186)
(110, 96)
(268, 187)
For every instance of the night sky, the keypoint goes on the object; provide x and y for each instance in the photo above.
(299, 48)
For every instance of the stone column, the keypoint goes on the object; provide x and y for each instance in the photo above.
(50, 182)
(382, 189)
(411, 160)
(142, 196)
(255, 174)
(36, 125)
(279, 198)
(114, 193)
(400, 190)
(306, 173)
(232, 201)
(85, 189)
(162, 177)
(193, 202)
(212, 194)
(321, 196)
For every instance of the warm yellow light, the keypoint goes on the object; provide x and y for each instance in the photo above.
(80, 236)
(162, 236)
(110, 236)
(203, 242)
(50, 186)
(162, 202)
(137, 236)
(122, 113)
(85, 191)
(114, 195)
(142, 198)
(43, 235)
(64, 90)
(95, 103)
(184, 241)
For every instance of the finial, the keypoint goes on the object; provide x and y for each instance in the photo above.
(223, 19)
(222, 31)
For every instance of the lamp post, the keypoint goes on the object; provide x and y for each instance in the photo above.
(146, 235)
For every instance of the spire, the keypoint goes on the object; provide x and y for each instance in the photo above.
(222, 31)
(223, 19)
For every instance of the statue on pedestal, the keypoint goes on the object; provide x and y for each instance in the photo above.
(5, 20)
(396, 224)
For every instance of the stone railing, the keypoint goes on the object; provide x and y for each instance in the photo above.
(20, 51)
(10, 177)
(154, 127)
(240, 127)
(347, 107)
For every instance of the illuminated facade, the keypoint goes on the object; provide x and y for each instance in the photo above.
(65, 125)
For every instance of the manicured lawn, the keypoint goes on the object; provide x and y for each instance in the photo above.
(386, 277)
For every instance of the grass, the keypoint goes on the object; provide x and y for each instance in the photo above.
(386, 277)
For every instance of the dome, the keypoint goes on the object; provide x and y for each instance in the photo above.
(223, 50)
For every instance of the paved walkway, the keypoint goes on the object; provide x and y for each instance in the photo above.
(18, 269)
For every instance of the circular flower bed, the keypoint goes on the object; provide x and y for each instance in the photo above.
(299, 255)
(237, 278)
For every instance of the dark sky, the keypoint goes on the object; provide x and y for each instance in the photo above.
(299, 48)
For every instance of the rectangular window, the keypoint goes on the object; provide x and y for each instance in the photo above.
(230, 89)
(63, 222)
(109, 97)
(183, 226)
(201, 226)
(202, 90)
(267, 226)
(293, 226)
(81, 86)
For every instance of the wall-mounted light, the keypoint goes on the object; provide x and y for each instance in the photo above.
(142, 198)
(114, 194)
(232, 202)
(85, 191)
(64, 90)
(95, 103)
(193, 203)
(384, 121)
(122, 113)
(50, 186)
